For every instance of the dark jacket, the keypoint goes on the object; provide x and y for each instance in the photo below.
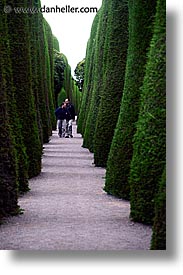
(60, 113)
(71, 111)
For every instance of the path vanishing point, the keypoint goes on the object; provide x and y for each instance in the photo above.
(67, 208)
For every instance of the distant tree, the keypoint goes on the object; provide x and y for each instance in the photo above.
(59, 67)
(79, 74)
(61, 96)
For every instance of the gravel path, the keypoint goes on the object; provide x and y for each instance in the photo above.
(67, 208)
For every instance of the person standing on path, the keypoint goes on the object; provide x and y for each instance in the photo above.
(70, 116)
(61, 117)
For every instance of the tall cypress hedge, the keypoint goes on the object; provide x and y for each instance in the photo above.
(26, 64)
(98, 76)
(89, 71)
(37, 85)
(141, 14)
(150, 139)
(44, 82)
(16, 127)
(115, 52)
(18, 25)
(56, 43)
(59, 68)
(76, 96)
(8, 160)
(8, 154)
(158, 241)
(48, 41)
(42, 62)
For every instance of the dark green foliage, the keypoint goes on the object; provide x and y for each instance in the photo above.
(44, 79)
(42, 72)
(21, 156)
(115, 53)
(158, 241)
(141, 14)
(56, 44)
(48, 40)
(22, 79)
(8, 154)
(68, 81)
(63, 81)
(150, 139)
(89, 71)
(8, 162)
(79, 74)
(76, 96)
(27, 104)
(37, 82)
(59, 68)
(61, 96)
(98, 75)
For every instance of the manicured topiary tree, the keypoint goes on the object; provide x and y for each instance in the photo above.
(21, 156)
(48, 41)
(22, 80)
(150, 139)
(68, 80)
(59, 68)
(141, 14)
(98, 77)
(62, 96)
(56, 43)
(42, 72)
(37, 85)
(115, 53)
(76, 94)
(8, 161)
(8, 154)
(89, 71)
(158, 241)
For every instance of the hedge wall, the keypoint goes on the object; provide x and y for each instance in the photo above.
(8, 154)
(158, 241)
(141, 14)
(98, 76)
(22, 79)
(49, 75)
(115, 52)
(26, 64)
(76, 96)
(56, 44)
(149, 153)
(88, 82)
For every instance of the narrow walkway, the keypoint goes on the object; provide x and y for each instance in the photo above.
(67, 208)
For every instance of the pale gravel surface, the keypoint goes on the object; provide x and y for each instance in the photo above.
(67, 208)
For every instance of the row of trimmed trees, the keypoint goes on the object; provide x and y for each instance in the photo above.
(65, 85)
(123, 110)
(27, 98)
(27, 102)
